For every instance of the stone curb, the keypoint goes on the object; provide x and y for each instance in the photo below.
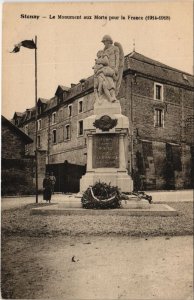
(155, 210)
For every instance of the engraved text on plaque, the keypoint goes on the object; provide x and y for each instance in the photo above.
(106, 151)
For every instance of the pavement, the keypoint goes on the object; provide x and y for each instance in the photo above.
(157, 196)
(16, 202)
(168, 196)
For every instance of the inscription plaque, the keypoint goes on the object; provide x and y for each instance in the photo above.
(105, 151)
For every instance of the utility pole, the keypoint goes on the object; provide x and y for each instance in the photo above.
(36, 124)
(131, 117)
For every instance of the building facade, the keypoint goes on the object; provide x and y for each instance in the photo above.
(17, 168)
(159, 102)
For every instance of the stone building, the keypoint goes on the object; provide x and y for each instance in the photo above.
(17, 168)
(159, 102)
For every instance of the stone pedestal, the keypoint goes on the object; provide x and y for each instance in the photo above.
(106, 132)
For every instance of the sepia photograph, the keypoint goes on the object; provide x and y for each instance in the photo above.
(97, 150)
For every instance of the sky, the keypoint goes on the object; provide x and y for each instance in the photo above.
(67, 48)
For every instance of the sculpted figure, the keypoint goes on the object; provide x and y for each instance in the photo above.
(103, 78)
(108, 70)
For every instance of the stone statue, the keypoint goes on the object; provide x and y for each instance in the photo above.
(108, 70)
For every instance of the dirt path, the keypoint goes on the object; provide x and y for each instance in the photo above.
(104, 268)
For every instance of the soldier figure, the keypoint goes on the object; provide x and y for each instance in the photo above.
(108, 74)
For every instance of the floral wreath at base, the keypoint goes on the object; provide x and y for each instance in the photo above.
(101, 196)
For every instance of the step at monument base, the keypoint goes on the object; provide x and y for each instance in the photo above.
(155, 210)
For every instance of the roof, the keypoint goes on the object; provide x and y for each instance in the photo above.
(16, 130)
(145, 65)
(135, 62)
(61, 88)
(51, 103)
(18, 114)
(42, 100)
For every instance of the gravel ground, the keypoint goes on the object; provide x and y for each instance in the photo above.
(119, 267)
(19, 222)
(37, 255)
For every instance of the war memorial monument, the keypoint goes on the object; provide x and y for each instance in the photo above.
(107, 130)
(107, 134)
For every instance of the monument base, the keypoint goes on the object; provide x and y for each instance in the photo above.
(120, 179)
(107, 135)
(105, 106)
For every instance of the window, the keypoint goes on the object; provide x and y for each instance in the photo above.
(26, 129)
(158, 118)
(39, 122)
(158, 91)
(67, 132)
(16, 122)
(28, 114)
(39, 109)
(80, 127)
(61, 115)
(38, 141)
(69, 110)
(54, 136)
(59, 99)
(80, 106)
(26, 149)
(54, 118)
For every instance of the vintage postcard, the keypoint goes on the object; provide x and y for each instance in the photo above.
(97, 150)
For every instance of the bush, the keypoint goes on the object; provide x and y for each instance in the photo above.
(101, 196)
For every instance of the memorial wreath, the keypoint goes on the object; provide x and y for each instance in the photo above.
(101, 196)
